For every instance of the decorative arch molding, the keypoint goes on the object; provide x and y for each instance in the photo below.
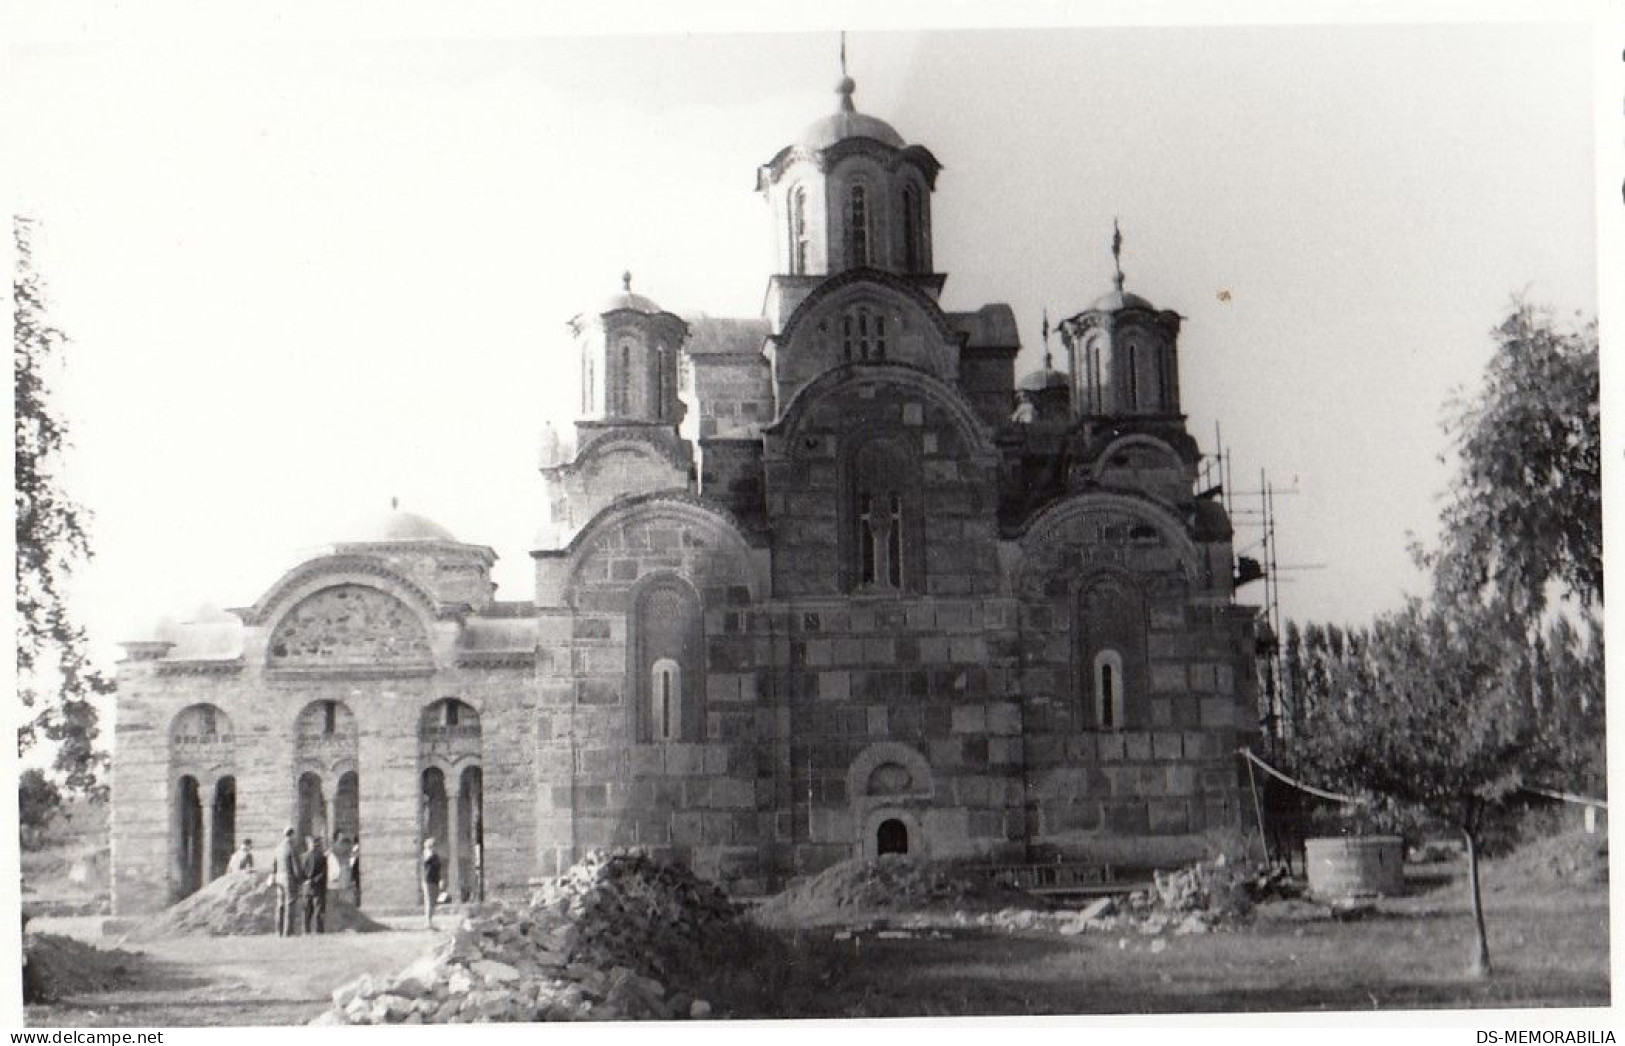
(837, 287)
(678, 507)
(201, 742)
(341, 624)
(1055, 526)
(1157, 446)
(655, 443)
(342, 569)
(921, 785)
(974, 436)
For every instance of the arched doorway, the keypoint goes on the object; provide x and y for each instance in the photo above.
(311, 819)
(891, 837)
(187, 833)
(449, 750)
(203, 813)
(224, 837)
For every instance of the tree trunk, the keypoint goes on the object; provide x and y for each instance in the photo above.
(1480, 966)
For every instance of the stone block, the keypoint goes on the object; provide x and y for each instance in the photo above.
(1168, 816)
(880, 651)
(1070, 817)
(1004, 717)
(1128, 818)
(878, 725)
(1162, 712)
(1167, 678)
(970, 719)
(835, 686)
(1112, 747)
(1167, 746)
(1218, 711)
(1137, 746)
(1182, 780)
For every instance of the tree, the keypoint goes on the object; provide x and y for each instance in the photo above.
(1435, 719)
(1525, 509)
(37, 799)
(56, 680)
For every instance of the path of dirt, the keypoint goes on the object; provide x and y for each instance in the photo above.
(235, 980)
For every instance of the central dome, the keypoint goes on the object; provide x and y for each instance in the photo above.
(397, 525)
(846, 122)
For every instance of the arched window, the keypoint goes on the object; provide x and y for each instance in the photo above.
(1133, 376)
(666, 667)
(666, 698)
(858, 224)
(913, 229)
(1112, 675)
(863, 334)
(1109, 690)
(799, 240)
(623, 380)
(883, 537)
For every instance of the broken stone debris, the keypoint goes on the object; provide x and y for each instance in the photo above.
(608, 940)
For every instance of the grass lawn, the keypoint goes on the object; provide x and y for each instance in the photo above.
(1549, 948)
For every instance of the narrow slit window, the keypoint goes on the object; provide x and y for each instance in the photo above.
(866, 539)
(859, 215)
(666, 695)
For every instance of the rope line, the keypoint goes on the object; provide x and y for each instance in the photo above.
(1311, 789)
(1567, 797)
(1583, 800)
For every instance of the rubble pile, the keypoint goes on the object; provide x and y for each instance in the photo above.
(241, 903)
(893, 895)
(893, 884)
(607, 941)
(56, 967)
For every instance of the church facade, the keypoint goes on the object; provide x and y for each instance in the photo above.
(809, 590)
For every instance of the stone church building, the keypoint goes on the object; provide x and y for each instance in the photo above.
(823, 583)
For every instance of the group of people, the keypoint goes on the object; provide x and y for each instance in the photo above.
(305, 877)
(302, 879)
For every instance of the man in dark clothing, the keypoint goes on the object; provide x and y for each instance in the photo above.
(285, 876)
(315, 870)
(431, 881)
(355, 872)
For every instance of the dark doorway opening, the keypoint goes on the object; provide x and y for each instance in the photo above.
(891, 837)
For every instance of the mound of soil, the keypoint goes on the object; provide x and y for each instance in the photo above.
(241, 903)
(891, 885)
(1568, 859)
(56, 967)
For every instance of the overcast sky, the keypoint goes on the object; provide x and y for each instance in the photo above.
(305, 276)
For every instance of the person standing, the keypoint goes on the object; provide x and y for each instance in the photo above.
(242, 859)
(315, 887)
(285, 876)
(431, 881)
(355, 872)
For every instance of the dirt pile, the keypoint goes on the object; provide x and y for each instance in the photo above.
(241, 903)
(610, 940)
(56, 967)
(890, 885)
(1568, 859)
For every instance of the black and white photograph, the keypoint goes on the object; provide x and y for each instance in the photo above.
(700, 516)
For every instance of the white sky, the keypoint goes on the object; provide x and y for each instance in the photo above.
(306, 275)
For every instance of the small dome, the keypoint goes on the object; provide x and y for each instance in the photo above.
(397, 525)
(1039, 380)
(626, 301)
(846, 123)
(1117, 299)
